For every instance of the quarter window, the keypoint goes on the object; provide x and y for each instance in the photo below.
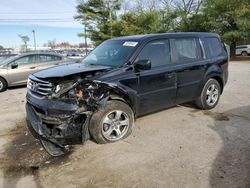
(158, 52)
(187, 49)
(214, 46)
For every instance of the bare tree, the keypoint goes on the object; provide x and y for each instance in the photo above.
(25, 40)
(51, 43)
(188, 7)
(141, 5)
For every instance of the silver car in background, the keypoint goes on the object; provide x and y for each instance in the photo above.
(14, 71)
(243, 50)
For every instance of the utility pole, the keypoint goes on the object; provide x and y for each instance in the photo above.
(85, 38)
(34, 37)
(110, 17)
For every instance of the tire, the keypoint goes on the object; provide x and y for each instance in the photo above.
(209, 97)
(244, 53)
(106, 124)
(3, 85)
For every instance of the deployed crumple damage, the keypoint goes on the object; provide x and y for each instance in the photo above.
(67, 118)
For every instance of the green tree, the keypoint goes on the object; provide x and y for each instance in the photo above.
(98, 16)
(154, 21)
(230, 19)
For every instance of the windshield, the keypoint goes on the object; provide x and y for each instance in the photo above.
(6, 59)
(111, 53)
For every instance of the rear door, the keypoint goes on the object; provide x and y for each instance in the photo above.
(157, 86)
(191, 65)
(48, 60)
(25, 66)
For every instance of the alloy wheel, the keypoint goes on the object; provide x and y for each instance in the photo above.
(115, 125)
(212, 94)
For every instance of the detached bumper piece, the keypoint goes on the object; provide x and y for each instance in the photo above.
(56, 130)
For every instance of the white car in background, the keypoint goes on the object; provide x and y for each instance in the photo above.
(243, 50)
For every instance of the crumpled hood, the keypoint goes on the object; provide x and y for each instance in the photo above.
(67, 70)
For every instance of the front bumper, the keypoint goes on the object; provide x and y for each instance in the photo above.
(60, 122)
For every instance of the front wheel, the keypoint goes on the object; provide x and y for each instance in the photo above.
(111, 123)
(3, 85)
(210, 95)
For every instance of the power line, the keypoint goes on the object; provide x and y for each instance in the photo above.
(38, 11)
(25, 13)
(38, 20)
(17, 19)
(35, 21)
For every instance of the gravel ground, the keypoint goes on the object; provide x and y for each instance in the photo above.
(177, 147)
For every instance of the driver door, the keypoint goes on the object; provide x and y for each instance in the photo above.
(157, 86)
(21, 68)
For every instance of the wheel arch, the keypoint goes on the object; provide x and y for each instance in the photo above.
(214, 72)
(244, 51)
(220, 80)
(127, 96)
(7, 84)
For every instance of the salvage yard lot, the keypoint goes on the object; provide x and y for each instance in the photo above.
(178, 147)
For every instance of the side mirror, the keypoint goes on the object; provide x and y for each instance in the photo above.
(144, 64)
(14, 65)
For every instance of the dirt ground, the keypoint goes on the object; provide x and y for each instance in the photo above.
(178, 147)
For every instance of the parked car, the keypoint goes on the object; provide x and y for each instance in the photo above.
(120, 80)
(243, 50)
(14, 71)
(6, 56)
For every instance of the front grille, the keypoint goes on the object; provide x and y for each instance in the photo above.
(39, 87)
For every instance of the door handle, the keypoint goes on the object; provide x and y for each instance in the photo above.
(204, 66)
(32, 67)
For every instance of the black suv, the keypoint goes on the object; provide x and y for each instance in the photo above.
(121, 79)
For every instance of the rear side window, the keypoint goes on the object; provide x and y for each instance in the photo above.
(214, 46)
(48, 58)
(187, 49)
(157, 51)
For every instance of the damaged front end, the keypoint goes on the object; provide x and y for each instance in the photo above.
(58, 114)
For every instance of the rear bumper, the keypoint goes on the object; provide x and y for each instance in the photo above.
(58, 121)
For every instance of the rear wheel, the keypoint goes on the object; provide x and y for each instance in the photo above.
(3, 85)
(210, 95)
(111, 123)
(244, 53)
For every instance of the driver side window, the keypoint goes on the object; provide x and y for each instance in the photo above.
(26, 60)
(157, 51)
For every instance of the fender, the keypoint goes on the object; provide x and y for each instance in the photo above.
(214, 71)
(123, 93)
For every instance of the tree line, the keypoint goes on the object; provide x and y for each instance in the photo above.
(105, 19)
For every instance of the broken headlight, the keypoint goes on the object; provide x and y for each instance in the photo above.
(62, 88)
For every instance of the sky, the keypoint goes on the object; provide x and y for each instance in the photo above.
(51, 20)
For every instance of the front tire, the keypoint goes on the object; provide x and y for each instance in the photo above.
(111, 123)
(3, 85)
(210, 95)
